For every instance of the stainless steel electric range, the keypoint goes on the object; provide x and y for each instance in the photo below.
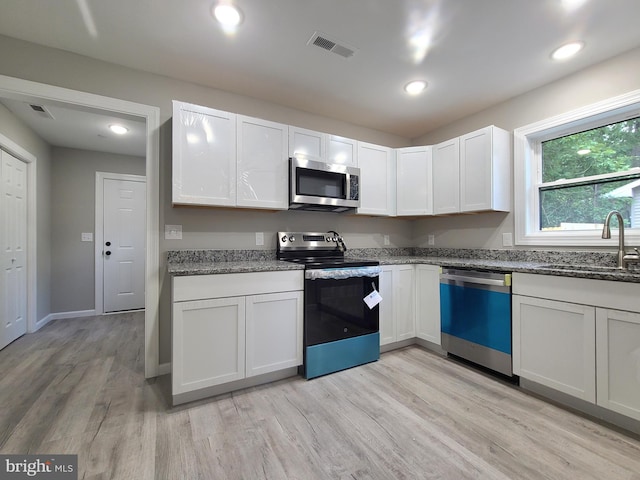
(341, 329)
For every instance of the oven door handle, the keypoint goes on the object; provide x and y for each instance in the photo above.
(341, 273)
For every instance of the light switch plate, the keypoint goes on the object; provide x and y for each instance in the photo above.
(386, 240)
(431, 239)
(259, 238)
(173, 232)
(507, 240)
(86, 237)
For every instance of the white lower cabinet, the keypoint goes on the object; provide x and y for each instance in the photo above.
(580, 337)
(554, 345)
(208, 343)
(274, 332)
(618, 361)
(428, 303)
(239, 335)
(397, 310)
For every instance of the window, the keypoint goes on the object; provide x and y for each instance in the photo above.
(571, 170)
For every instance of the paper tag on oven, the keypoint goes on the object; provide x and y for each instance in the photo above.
(373, 299)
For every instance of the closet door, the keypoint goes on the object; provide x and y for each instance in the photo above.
(13, 248)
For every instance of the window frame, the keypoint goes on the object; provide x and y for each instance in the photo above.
(527, 151)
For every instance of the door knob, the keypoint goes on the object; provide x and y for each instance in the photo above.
(107, 253)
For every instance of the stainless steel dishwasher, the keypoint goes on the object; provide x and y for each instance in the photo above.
(475, 317)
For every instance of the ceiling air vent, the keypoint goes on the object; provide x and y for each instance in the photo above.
(41, 110)
(323, 41)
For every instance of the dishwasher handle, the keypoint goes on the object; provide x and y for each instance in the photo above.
(502, 282)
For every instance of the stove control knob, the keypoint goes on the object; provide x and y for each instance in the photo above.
(292, 238)
(328, 239)
(284, 239)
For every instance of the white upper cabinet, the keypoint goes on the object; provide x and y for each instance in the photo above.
(262, 164)
(377, 179)
(342, 151)
(485, 170)
(307, 144)
(414, 183)
(204, 156)
(322, 147)
(446, 177)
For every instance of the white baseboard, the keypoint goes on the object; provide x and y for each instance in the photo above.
(42, 322)
(77, 314)
(164, 368)
(59, 315)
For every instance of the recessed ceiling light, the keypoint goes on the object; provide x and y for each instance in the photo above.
(119, 129)
(584, 151)
(227, 14)
(415, 87)
(567, 51)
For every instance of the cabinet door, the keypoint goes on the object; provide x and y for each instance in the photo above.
(204, 156)
(343, 151)
(414, 183)
(485, 170)
(428, 303)
(446, 177)
(307, 144)
(554, 345)
(208, 343)
(377, 179)
(404, 301)
(387, 320)
(262, 164)
(618, 361)
(274, 332)
(475, 171)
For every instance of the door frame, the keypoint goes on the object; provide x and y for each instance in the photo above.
(99, 230)
(30, 160)
(21, 89)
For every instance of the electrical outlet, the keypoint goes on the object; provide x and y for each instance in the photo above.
(173, 232)
(507, 240)
(259, 238)
(431, 239)
(386, 240)
(86, 237)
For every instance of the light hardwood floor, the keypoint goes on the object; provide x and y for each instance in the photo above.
(77, 386)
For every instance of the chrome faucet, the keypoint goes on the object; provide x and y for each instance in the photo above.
(624, 258)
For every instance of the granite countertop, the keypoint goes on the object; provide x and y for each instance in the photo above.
(595, 272)
(213, 267)
(567, 264)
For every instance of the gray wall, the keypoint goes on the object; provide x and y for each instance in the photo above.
(613, 77)
(18, 132)
(211, 228)
(73, 182)
(214, 228)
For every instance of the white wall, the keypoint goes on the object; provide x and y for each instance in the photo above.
(73, 181)
(18, 132)
(607, 79)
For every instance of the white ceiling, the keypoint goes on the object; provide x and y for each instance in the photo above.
(482, 51)
(84, 129)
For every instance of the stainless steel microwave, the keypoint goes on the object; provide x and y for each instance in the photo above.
(323, 186)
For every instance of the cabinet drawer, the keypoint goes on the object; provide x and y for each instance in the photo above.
(198, 287)
(584, 291)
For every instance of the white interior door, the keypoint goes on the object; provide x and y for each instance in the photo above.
(123, 249)
(13, 243)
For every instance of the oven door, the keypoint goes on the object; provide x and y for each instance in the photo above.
(334, 306)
